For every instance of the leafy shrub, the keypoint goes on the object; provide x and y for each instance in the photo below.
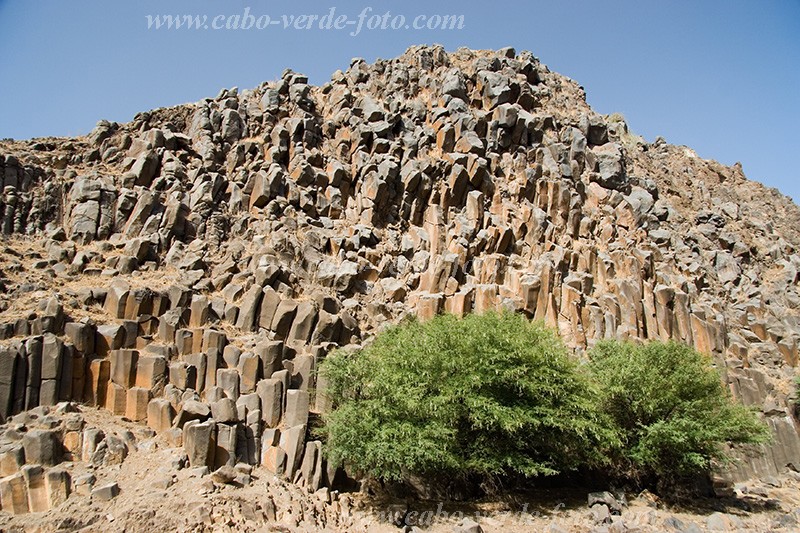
(483, 396)
(672, 414)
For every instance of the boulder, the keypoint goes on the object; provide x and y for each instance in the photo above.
(105, 493)
(199, 442)
(43, 447)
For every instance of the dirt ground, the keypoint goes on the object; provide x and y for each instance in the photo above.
(158, 493)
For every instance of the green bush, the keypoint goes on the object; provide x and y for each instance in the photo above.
(483, 396)
(672, 415)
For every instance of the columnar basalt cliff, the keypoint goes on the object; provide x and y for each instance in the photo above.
(188, 270)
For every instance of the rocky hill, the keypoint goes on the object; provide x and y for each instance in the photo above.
(189, 269)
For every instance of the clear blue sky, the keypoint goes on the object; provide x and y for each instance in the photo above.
(721, 76)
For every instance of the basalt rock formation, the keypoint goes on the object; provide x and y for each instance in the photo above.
(188, 270)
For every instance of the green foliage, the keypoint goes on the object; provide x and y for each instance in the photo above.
(486, 395)
(496, 395)
(670, 410)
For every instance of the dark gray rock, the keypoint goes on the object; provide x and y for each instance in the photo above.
(105, 493)
(43, 447)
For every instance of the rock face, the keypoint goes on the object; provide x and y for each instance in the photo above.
(249, 234)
